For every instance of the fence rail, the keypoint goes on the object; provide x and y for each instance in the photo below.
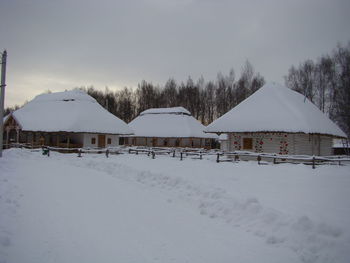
(196, 153)
(275, 158)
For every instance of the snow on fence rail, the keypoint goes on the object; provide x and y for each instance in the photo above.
(275, 158)
(196, 153)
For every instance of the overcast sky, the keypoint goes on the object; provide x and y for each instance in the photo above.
(58, 45)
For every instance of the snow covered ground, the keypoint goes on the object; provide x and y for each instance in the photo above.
(131, 208)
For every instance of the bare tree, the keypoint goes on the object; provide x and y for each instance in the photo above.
(209, 98)
(341, 94)
(147, 96)
(326, 82)
(126, 104)
(170, 93)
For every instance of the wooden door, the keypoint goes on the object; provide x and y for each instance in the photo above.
(247, 143)
(101, 141)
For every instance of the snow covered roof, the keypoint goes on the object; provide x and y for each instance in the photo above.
(276, 108)
(68, 111)
(173, 110)
(174, 122)
(6, 117)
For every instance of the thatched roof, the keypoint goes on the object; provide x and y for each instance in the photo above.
(274, 108)
(69, 111)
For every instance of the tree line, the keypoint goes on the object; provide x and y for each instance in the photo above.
(326, 82)
(206, 100)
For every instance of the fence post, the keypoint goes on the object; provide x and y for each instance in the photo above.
(339, 160)
(236, 158)
(181, 156)
(259, 159)
(218, 157)
(200, 155)
(137, 152)
(129, 151)
(79, 153)
(174, 153)
(107, 153)
(153, 155)
(48, 152)
(313, 162)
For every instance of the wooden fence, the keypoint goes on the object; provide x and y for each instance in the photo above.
(199, 153)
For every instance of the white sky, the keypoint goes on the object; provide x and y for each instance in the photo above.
(59, 45)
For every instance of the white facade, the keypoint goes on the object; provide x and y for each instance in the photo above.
(224, 143)
(281, 143)
(93, 140)
(69, 140)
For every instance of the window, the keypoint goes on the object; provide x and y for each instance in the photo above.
(93, 140)
(109, 141)
(165, 142)
(247, 143)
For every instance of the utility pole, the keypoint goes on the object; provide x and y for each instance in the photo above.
(2, 98)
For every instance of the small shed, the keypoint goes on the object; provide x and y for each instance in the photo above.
(66, 119)
(169, 127)
(276, 119)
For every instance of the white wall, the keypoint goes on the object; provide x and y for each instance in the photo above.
(313, 144)
(224, 145)
(326, 145)
(88, 136)
(283, 143)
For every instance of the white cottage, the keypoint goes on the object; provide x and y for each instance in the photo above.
(64, 119)
(169, 127)
(276, 119)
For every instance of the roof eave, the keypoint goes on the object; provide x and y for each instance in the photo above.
(30, 130)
